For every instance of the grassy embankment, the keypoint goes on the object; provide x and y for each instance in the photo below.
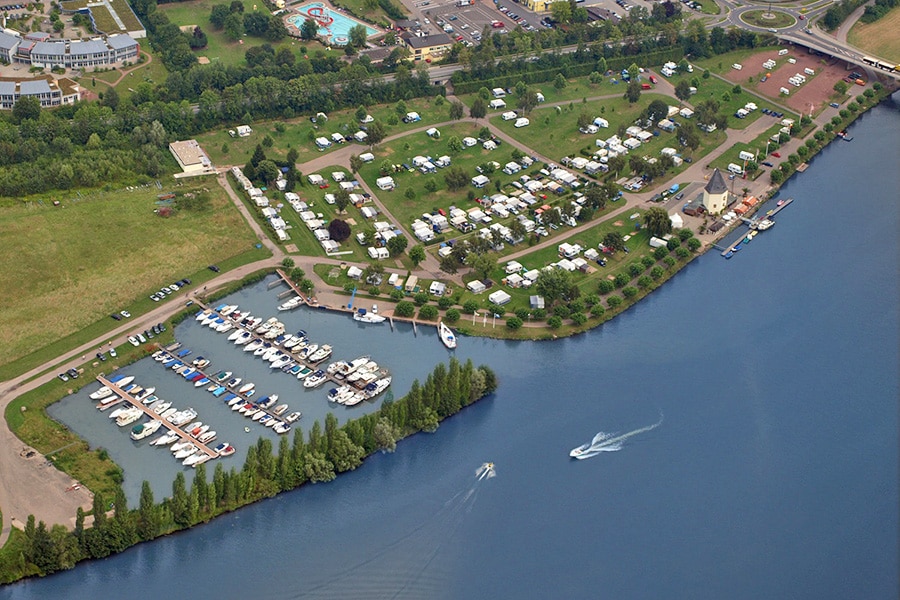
(69, 267)
(879, 38)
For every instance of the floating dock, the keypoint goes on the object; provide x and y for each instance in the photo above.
(183, 435)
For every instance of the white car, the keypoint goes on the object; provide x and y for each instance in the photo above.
(125, 314)
(133, 341)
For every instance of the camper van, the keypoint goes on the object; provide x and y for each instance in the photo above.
(736, 169)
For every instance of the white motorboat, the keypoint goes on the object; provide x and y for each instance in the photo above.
(198, 431)
(263, 348)
(371, 316)
(316, 379)
(235, 401)
(143, 430)
(447, 336)
(281, 427)
(243, 339)
(271, 353)
(281, 361)
(145, 393)
(149, 399)
(235, 334)
(291, 304)
(228, 450)
(267, 420)
(115, 414)
(165, 439)
(253, 346)
(354, 399)
(228, 310)
(185, 416)
(101, 393)
(246, 388)
(234, 382)
(194, 458)
(304, 372)
(337, 394)
(280, 410)
(179, 446)
(129, 416)
(259, 414)
(186, 451)
(206, 437)
(192, 426)
(162, 407)
(308, 350)
(120, 383)
(168, 413)
(203, 314)
(375, 388)
(321, 354)
(224, 327)
(294, 416)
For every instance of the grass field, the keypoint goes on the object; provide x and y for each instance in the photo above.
(70, 266)
(575, 90)
(879, 38)
(219, 48)
(300, 133)
(763, 18)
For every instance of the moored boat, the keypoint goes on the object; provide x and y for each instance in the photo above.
(162, 407)
(372, 316)
(291, 304)
(294, 416)
(316, 379)
(143, 430)
(447, 336)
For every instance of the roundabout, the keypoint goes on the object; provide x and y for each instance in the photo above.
(768, 19)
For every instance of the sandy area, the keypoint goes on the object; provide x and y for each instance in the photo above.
(817, 90)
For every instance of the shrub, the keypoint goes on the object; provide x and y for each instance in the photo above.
(522, 313)
(444, 302)
(428, 312)
(597, 310)
(396, 295)
(606, 286)
(685, 233)
(539, 313)
(661, 252)
(576, 306)
(622, 280)
(470, 306)
(693, 244)
(670, 262)
(644, 282)
(635, 269)
(374, 291)
(682, 253)
(452, 315)
(562, 311)
(673, 243)
(592, 299)
(629, 291)
(554, 322)
(647, 262)
(656, 272)
(405, 308)
(514, 323)
(579, 318)
(614, 301)
(420, 298)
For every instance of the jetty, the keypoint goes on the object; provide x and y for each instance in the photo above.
(183, 435)
(755, 224)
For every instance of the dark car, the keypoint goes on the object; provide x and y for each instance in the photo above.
(186, 281)
(72, 373)
(116, 316)
(213, 268)
(767, 164)
(101, 356)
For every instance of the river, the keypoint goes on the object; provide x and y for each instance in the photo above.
(772, 475)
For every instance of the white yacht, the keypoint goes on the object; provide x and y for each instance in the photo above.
(447, 336)
(371, 316)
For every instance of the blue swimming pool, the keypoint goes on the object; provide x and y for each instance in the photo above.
(334, 26)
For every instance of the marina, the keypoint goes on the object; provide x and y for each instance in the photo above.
(143, 410)
(755, 226)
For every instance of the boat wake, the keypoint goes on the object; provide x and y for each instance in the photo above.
(609, 442)
(485, 471)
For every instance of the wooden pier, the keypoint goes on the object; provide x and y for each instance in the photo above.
(307, 300)
(753, 225)
(183, 435)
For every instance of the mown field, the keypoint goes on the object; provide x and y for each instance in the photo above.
(70, 266)
(879, 38)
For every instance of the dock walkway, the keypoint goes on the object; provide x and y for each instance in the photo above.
(185, 437)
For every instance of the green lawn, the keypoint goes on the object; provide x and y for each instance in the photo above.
(69, 267)
(407, 210)
(361, 8)
(219, 48)
(301, 133)
(575, 91)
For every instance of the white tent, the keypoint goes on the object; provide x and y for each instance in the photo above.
(499, 297)
(677, 221)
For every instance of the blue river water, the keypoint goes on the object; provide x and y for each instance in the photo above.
(772, 475)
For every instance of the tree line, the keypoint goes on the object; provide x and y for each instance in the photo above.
(318, 457)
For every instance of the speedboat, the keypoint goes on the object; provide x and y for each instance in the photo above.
(168, 413)
(179, 446)
(235, 334)
(218, 449)
(307, 351)
(139, 432)
(149, 399)
(280, 362)
(262, 349)
(246, 388)
(259, 414)
(234, 382)
(228, 310)
(280, 410)
(165, 439)
(253, 346)
(235, 400)
(281, 427)
(201, 382)
(447, 336)
(145, 393)
(293, 416)
(198, 431)
(372, 316)
(321, 354)
(186, 451)
(580, 450)
(101, 393)
(375, 388)
(228, 451)
(244, 338)
(179, 419)
(291, 304)
(219, 391)
(122, 382)
(268, 401)
(203, 314)
(193, 458)
(115, 414)
(206, 437)
(162, 407)
(304, 372)
(129, 416)
(264, 419)
(317, 378)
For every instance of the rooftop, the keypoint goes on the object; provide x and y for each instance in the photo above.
(429, 41)
(716, 183)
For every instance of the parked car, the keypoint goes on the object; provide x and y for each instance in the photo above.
(101, 356)
(125, 314)
(776, 154)
(766, 163)
(213, 268)
(154, 297)
(113, 353)
(63, 377)
(116, 316)
(72, 373)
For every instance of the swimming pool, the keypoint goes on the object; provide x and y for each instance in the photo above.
(334, 26)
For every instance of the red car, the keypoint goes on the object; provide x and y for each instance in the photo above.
(497, 24)
(801, 17)
(776, 154)
(323, 186)
(458, 38)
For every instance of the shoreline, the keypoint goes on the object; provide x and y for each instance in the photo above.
(607, 315)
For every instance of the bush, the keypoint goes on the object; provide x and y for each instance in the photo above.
(685, 233)
(661, 252)
(429, 312)
(673, 243)
(374, 291)
(693, 244)
(576, 306)
(514, 323)
(592, 299)
(405, 308)
(606, 286)
(629, 291)
(656, 272)
(420, 298)
(644, 282)
(539, 313)
(444, 302)
(562, 311)
(647, 262)
(554, 322)
(621, 280)
(635, 269)
(670, 262)
(452, 315)
(522, 313)
(579, 318)
(614, 301)
(470, 306)
(396, 295)
(682, 253)
(597, 310)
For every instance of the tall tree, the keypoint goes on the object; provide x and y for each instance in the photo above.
(657, 221)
